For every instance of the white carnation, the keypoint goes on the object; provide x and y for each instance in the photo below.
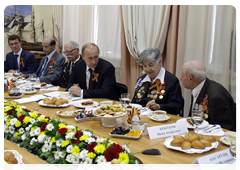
(69, 135)
(50, 127)
(13, 121)
(69, 148)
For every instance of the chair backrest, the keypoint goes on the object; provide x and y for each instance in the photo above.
(121, 88)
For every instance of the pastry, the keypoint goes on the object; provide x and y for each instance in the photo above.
(179, 137)
(211, 139)
(190, 122)
(186, 145)
(10, 158)
(193, 137)
(198, 145)
(206, 142)
(176, 142)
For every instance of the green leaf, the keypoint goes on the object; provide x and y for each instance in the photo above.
(58, 136)
(130, 155)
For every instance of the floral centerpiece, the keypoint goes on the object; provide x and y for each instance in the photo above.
(56, 142)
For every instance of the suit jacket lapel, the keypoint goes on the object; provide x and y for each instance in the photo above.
(96, 70)
(203, 91)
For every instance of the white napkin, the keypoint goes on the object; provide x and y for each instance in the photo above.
(145, 112)
(26, 100)
(214, 131)
(24, 86)
(50, 88)
(21, 81)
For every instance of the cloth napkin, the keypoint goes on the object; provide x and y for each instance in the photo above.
(50, 88)
(24, 86)
(145, 111)
(214, 131)
(30, 99)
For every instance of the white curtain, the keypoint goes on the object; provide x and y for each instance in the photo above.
(207, 34)
(145, 26)
(99, 24)
(57, 17)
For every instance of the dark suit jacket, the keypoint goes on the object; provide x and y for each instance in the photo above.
(65, 72)
(172, 101)
(221, 107)
(55, 77)
(105, 86)
(28, 59)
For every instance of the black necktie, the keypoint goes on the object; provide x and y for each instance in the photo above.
(15, 62)
(90, 79)
(190, 110)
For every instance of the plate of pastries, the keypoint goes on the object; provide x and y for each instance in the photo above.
(191, 143)
(110, 111)
(114, 164)
(12, 157)
(54, 102)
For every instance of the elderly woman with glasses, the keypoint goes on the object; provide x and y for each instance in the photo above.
(158, 89)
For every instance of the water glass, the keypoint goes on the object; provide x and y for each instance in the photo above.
(197, 118)
(33, 78)
(125, 99)
(233, 148)
(16, 73)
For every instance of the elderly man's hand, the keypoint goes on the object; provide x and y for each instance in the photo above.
(153, 105)
(75, 90)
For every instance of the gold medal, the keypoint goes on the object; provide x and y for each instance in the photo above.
(161, 97)
(148, 95)
(162, 91)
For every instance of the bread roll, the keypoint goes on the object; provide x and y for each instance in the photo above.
(187, 136)
(193, 137)
(211, 139)
(99, 110)
(198, 145)
(54, 99)
(179, 137)
(176, 142)
(206, 142)
(186, 145)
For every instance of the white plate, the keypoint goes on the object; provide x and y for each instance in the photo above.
(159, 120)
(138, 106)
(191, 150)
(38, 86)
(126, 137)
(203, 125)
(16, 155)
(30, 92)
(87, 119)
(112, 116)
(67, 116)
(46, 105)
(108, 164)
(79, 104)
(13, 97)
(225, 140)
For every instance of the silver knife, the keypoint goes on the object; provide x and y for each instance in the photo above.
(209, 128)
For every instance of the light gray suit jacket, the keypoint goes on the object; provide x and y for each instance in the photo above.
(55, 77)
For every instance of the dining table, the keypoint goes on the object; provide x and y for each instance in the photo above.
(137, 146)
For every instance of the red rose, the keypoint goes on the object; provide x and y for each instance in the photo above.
(76, 142)
(90, 147)
(21, 118)
(26, 110)
(10, 112)
(47, 117)
(13, 107)
(43, 128)
(79, 134)
(62, 131)
(117, 148)
(110, 154)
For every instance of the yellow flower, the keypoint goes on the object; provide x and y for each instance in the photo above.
(8, 122)
(123, 157)
(65, 143)
(91, 155)
(76, 150)
(19, 113)
(16, 135)
(18, 123)
(99, 149)
(7, 108)
(5, 114)
(42, 133)
(53, 140)
(34, 115)
(83, 137)
(26, 120)
(61, 125)
(71, 130)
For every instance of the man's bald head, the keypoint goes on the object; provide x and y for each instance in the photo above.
(196, 69)
(49, 45)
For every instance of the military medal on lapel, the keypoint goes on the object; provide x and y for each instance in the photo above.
(205, 106)
(52, 63)
(160, 90)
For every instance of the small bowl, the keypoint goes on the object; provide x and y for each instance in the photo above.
(104, 103)
(159, 114)
(138, 126)
(230, 134)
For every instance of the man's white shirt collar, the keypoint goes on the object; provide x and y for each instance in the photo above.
(196, 90)
(50, 55)
(19, 52)
(160, 76)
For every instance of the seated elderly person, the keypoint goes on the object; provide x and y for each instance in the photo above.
(158, 89)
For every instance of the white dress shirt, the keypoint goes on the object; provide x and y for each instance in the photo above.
(18, 58)
(160, 76)
(195, 92)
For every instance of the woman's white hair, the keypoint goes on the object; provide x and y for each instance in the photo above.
(195, 69)
(150, 54)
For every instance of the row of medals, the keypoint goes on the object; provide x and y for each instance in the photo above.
(153, 94)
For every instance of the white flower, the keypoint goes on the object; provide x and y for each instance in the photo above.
(88, 161)
(33, 140)
(62, 154)
(57, 155)
(83, 154)
(32, 133)
(32, 121)
(101, 140)
(37, 131)
(86, 133)
(126, 148)
(59, 142)
(21, 130)
(90, 140)
(5, 128)
(70, 158)
(75, 160)
(13, 121)
(81, 166)
(69, 135)
(24, 136)
(50, 127)
(101, 159)
(70, 127)
(69, 148)
(11, 129)
(45, 148)
(41, 138)
(28, 128)
(6, 118)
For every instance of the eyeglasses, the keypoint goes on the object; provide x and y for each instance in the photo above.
(68, 52)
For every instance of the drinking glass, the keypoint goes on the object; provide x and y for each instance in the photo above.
(16, 73)
(33, 78)
(197, 118)
(125, 99)
(233, 148)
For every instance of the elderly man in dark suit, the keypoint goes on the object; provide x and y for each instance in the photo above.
(19, 59)
(50, 68)
(92, 76)
(218, 104)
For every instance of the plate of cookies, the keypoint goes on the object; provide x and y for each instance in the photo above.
(110, 111)
(54, 102)
(191, 143)
(12, 157)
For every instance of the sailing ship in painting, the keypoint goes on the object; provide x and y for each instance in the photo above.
(30, 33)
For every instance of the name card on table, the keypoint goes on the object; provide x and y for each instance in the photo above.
(166, 130)
(221, 157)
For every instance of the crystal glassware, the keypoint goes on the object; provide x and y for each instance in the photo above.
(197, 118)
(125, 99)
(233, 148)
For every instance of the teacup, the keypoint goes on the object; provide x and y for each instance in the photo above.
(159, 114)
(138, 126)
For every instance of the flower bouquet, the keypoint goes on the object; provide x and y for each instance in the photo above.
(56, 142)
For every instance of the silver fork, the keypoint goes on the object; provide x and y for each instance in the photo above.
(209, 131)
